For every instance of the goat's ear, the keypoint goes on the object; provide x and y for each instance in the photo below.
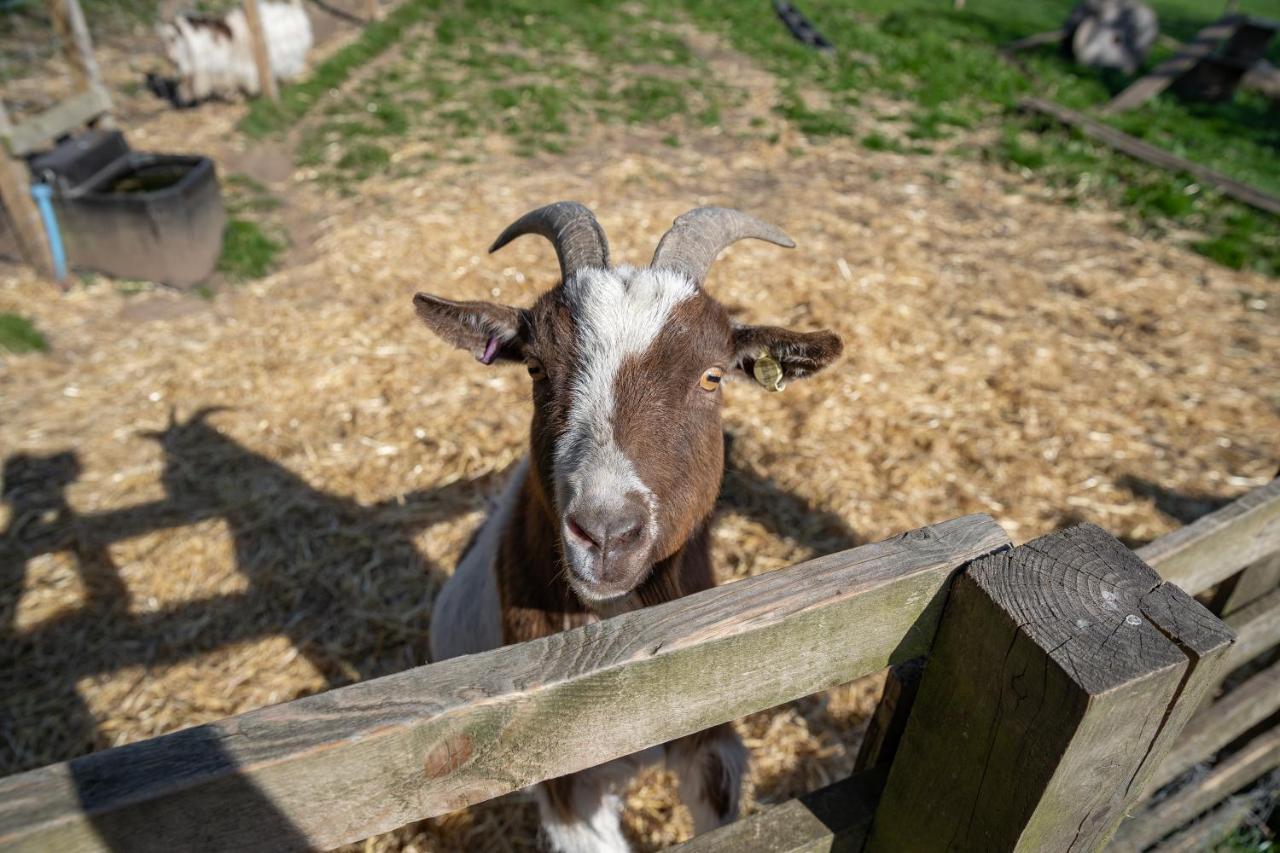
(489, 331)
(798, 354)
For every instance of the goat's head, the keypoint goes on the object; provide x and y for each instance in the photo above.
(626, 366)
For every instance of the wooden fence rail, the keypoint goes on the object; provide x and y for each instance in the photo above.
(359, 760)
(1060, 675)
(1239, 538)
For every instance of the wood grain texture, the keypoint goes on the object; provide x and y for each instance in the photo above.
(888, 722)
(23, 215)
(1217, 724)
(77, 47)
(363, 759)
(1202, 835)
(834, 819)
(1259, 756)
(1215, 547)
(261, 51)
(1057, 682)
(1253, 583)
(1163, 75)
(1258, 627)
(1149, 153)
(74, 112)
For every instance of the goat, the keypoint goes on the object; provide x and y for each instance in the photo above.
(1110, 34)
(611, 509)
(213, 57)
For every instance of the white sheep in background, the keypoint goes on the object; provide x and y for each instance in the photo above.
(214, 56)
(1110, 34)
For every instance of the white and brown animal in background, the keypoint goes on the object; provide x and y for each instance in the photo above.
(213, 57)
(611, 510)
(1115, 34)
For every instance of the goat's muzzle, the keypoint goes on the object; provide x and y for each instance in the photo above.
(607, 545)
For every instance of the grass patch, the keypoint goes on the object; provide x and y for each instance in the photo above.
(945, 64)
(267, 117)
(18, 335)
(248, 252)
(537, 73)
(880, 142)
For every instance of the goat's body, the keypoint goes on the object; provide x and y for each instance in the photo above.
(467, 615)
(611, 511)
(214, 57)
(581, 813)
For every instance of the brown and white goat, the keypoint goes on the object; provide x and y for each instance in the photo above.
(611, 510)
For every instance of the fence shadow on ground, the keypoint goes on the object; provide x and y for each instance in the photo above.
(342, 581)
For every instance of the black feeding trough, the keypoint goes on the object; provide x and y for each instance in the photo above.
(130, 214)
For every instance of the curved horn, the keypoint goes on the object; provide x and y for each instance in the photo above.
(571, 227)
(698, 236)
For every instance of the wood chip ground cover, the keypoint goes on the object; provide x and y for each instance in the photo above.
(213, 505)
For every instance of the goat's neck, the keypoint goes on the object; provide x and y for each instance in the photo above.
(536, 597)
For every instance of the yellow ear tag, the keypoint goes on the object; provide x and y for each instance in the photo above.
(768, 372)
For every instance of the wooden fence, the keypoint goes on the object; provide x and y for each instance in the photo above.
(1038, 696)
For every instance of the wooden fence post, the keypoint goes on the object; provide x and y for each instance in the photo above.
(1061, 672)
(261, 54)
(15, 197)
(77, 46)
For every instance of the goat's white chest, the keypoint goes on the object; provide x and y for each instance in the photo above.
(467, 615)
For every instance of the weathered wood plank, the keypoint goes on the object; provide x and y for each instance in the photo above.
(1163, 75)
(19, 207)
(1258, 627)
(888, 722)
(1061, 673)
(363, 759)
(1259, 756)
(1216, 725)
(1251, 584)
(1213, 548)
(77, 47)
(1149, 153)
(78, 110)
(834, 819)
(1034, 40)
(261, 51)
(1202, 835)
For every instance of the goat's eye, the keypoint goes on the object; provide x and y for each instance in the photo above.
(710, 380)
(535, 368)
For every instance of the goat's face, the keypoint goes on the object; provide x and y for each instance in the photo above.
(626, 367)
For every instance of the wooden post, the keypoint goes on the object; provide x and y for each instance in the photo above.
(77, 47)
(1061, 673)
(15, 196)
(885, 728)
(261, 53)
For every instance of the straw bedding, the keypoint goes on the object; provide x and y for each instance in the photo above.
(212, 506)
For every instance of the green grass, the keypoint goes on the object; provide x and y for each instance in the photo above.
(944, 63)
(18, 335)
(269, 117)
(1244, 840)
(540, 74)
(248, 252)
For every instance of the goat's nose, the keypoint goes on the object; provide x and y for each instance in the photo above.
(609, 530)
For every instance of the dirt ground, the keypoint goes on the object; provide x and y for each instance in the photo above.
(212, 505)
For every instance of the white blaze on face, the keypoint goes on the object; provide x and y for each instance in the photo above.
(618, 314)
